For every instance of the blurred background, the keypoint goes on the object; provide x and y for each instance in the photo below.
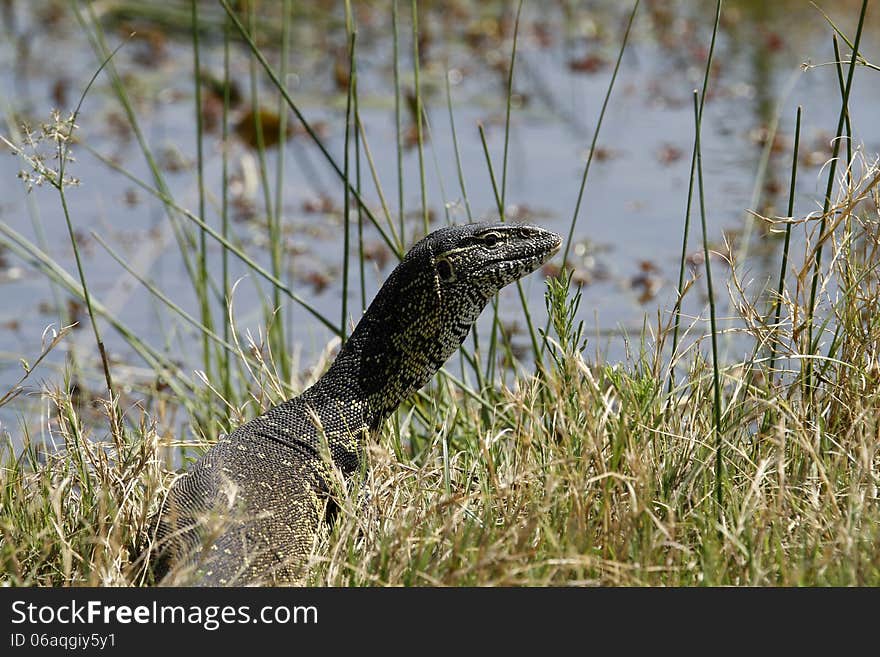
(770, 57)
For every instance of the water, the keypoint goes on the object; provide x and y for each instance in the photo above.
(629, 228)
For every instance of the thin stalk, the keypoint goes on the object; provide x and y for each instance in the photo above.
(274, 324)
(458, 166)
(846, 243)
(848, 128)
(346, 244)
(26, 250)
(17, 387)
(533, 336)
(784, 265)
(861, 60)
(498, 202)
(33, 208)
(397, 120)
(493, 335)
(580, 195)
(185, 240)
(202, 280)
(507, 113)
(418, 92)
(357, 175)
(358, 184)
(87, 298)
(224, 242)
(595, 139)
(349, 26)
(475, 361)
(438, 174)
(716, 378)
(687, 213)
(241, 255)
(153, 289)
(224, 208)
(275, 228)
(496, 322)
(378, 185)
(817, 261)
(63, 154)
(761, 170)
(273, 76)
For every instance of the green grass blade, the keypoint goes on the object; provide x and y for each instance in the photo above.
(580, 195)
(783, 267)
(419, 111)
(716, 366)
(687, 214)
(273, 76)
(397, 120)
(832, 170)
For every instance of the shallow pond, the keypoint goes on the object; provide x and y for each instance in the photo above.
(627, 240)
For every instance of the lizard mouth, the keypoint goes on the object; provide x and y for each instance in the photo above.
(528, 263)
(539, 256)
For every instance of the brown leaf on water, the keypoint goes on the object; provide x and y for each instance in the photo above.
(695, 259)
(647, 282)
(551, 270)
(341, 72)
(589, 64)
(149, 44)
(773, 41)
(75, 311)
(377, 252)
(172, 160)
(669, 153)
(213, 100)
(131, 197)
(543, 34)
(774, 187)
(411, 102)
(603, 154)
(761, 135)
(59, 92)
(318, 280)
(216, 88)
(270, 122)
(321, 205)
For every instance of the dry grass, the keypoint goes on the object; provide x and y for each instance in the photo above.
(582, 475)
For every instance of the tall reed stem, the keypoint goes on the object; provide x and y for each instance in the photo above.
(580, 195)
(346, 224)
(784, 265)
(676, 319)
(418, 115)
(832, 170)
(716, 378)
(202, 280)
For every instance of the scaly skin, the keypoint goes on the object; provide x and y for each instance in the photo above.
(249, 510)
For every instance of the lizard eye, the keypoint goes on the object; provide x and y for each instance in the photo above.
(491, 239)
(444, 270)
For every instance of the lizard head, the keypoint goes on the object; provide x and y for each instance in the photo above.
(424, 310)
(480, 259)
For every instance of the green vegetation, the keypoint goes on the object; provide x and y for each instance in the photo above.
(677, 466)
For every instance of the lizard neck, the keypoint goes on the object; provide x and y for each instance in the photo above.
(404, 337)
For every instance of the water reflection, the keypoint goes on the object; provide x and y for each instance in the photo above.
(631, 224)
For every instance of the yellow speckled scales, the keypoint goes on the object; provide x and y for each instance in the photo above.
(249, 510)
